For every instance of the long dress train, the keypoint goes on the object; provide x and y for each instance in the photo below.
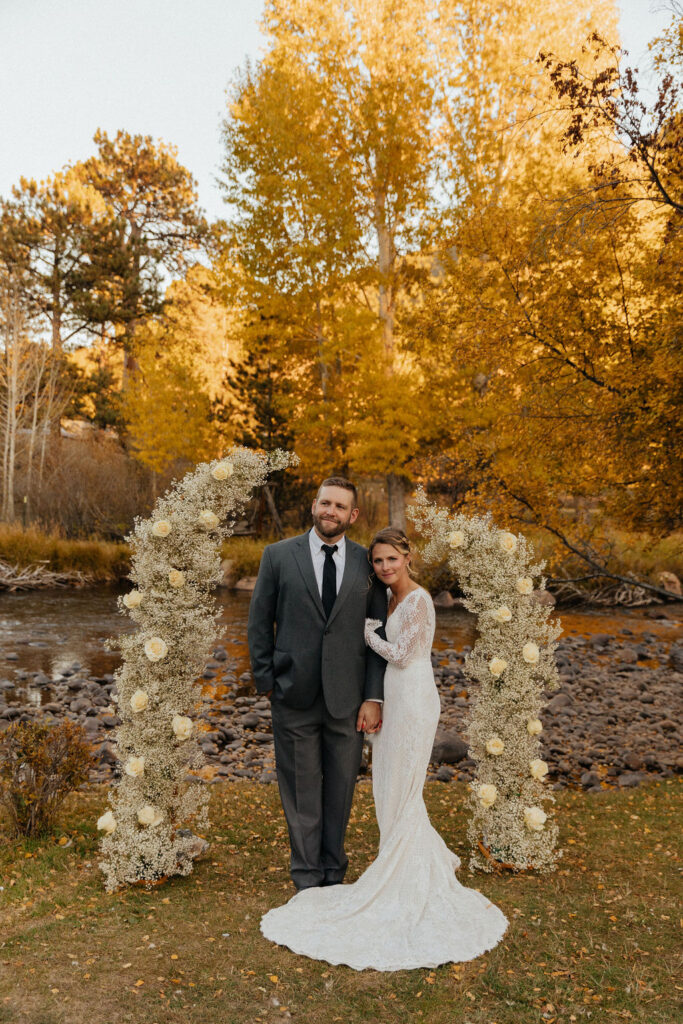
(407, 909)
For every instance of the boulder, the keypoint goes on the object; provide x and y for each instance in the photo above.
(247, 583)
(631, 779)
(444, 599)
(560, 700)
(676, 658)
(671, 582)
(449, 748)
(228, 574)
(250, 720)
(543, 597)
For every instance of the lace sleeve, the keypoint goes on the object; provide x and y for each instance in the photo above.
(414, 634)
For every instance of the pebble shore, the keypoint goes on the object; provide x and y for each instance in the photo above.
(614, 721)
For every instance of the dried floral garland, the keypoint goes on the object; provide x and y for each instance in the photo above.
(513, 662)
(176, 563)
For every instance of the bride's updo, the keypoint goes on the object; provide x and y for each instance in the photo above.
(396, 538)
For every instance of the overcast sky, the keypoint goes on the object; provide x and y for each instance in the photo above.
(157, 67)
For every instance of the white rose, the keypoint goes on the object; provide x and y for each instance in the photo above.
(495, 746)
(135, 766)
(534, 818)
(149, 815)
(507, 541)
(538, 768)
(502, 614)
(107, 823)
(222, 471)
(487, 794)
(132, 599)
(525, 584)
(155, 648)
(209, 519)
(161, 528)
(139, 700)
(534, 726)
(497, 666)
(176, 578)
(456, 538)
(530, 653)
(182, 726)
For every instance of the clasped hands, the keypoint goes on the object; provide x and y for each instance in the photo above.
(369, 718)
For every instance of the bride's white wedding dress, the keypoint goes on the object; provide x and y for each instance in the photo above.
(408, 909)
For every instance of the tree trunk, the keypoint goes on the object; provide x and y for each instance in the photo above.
(396, 493)
(272, 508)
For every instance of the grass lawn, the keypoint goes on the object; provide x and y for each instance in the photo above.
(595, 941)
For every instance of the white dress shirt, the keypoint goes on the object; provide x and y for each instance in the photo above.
(318, 556)
(339, 559)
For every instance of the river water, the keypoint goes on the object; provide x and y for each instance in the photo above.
(59, 631)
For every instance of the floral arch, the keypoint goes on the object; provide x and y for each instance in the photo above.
(513, 661)
(175, 566)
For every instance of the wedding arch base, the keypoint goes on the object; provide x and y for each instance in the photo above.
(510, 665)
(157, 806)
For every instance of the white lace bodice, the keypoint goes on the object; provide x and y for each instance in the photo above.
(411, 625)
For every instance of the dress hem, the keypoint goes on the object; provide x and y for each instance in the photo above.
(394, 966)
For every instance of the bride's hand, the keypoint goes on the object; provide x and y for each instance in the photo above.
(370, 627)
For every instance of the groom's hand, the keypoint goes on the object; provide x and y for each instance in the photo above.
(369, 716)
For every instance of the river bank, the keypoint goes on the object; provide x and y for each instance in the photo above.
(613, 722)
(33, 560)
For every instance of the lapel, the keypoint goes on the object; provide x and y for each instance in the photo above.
(302, 553)
(353, 567)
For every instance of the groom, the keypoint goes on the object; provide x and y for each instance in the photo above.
(308, 653)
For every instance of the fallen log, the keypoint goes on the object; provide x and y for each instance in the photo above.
(39, 577)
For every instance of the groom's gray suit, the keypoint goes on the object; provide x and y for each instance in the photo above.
(319, 671)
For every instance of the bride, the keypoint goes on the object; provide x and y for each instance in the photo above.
(408, 909)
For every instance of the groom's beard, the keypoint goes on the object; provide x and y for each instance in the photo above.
(329, 528)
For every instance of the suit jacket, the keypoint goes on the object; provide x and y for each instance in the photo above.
(295, 651)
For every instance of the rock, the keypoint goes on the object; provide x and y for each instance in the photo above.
(449, 748)
(444, 774)
(544, 598)
(247, 583)
(107, 754)
(632, 760)
(12, 656)
(444, 599)
(670, 581)
(590, 779)
(676, 658)
(208, 747)
(268, 776)
(668, 726)
(628, 656)
(110, 721)
(250, 720)
(229, 576)
(560, 700)
(631, 778)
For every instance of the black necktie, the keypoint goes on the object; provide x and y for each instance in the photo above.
(329, 579)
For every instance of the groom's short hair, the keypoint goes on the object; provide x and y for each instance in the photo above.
(340, 481)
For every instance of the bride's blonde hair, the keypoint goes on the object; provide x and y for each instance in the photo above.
(396, 538)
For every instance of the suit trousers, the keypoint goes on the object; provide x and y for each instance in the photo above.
(317, 758)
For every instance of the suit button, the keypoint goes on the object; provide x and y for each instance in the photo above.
(327, 632)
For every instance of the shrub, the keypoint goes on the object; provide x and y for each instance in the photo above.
(39, 766)
(99, 559)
